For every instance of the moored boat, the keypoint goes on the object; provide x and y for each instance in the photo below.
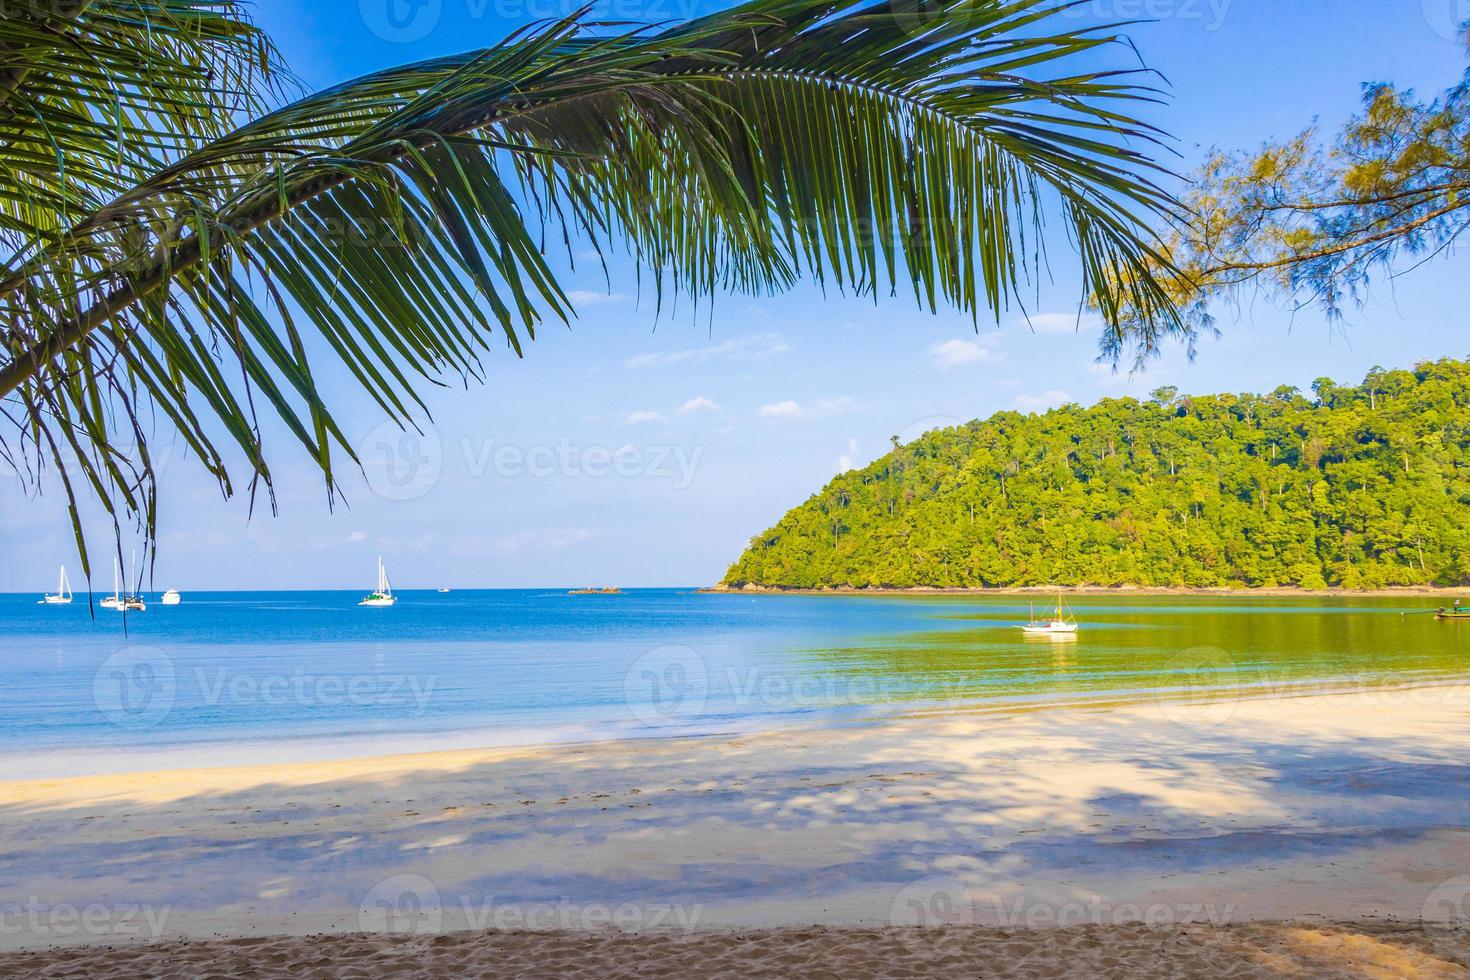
(63, 592)
(115, 601)
(132, 602)
(1061, 624)
(383, 595)
(171, 598)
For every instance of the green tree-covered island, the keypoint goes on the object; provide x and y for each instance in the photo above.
(1357, 487)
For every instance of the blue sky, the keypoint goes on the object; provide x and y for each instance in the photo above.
(637, 450)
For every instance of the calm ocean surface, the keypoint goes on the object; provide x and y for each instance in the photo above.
(276, 676)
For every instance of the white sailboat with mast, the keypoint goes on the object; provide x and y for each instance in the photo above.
(383, 595)
(131, 602)
(1061, 624)
(114, 601)
(63, 592)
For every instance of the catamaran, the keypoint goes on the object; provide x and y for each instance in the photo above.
(1059, 625)
(383, 596)
(63, 592)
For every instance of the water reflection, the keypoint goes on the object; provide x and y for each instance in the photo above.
(1145, 647)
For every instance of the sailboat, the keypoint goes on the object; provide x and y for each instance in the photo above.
(63, 592)
(114, 601)
(1058, 625)
(124, 603)
(383, 595)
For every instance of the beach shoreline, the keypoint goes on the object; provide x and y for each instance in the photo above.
(1095, 590)
(1347, 807)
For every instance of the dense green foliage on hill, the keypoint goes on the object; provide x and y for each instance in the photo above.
(1355, 487)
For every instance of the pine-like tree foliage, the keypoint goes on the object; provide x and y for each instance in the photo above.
(1355, 487)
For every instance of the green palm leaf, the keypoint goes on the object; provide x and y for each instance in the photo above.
(401, 217)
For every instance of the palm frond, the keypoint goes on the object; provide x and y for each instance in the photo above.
(402, 217)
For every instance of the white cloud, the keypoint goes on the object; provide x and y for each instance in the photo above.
(699, 403)
(781, 410)
(818, 409)
(521, 542)
(587, 297)
(957, 353)
(641, 416)
(845, 461)
(1040, 403)
(1063, 323)
(740, 348)
(357, 536)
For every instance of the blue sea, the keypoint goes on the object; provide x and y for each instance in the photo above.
(272, 677)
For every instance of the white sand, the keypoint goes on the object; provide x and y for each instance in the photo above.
(1350, 808)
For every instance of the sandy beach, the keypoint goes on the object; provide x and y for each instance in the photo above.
(1279, 836)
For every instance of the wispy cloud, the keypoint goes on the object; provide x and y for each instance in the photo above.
(958, 353)
(738, 348)
(641, 416)
(846, 462)
(1062, 323)
(1040, 403)
(587, 297)
(357, 536)
(820, 408)
(699, 403)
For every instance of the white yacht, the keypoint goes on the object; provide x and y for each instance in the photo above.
(63, 592)
(171, 598)
(383, 595)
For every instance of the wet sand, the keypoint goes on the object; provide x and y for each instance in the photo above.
(1202, 819)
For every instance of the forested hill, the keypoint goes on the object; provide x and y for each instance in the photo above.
(1351, 487)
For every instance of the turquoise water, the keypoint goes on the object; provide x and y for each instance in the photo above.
(239, 671)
